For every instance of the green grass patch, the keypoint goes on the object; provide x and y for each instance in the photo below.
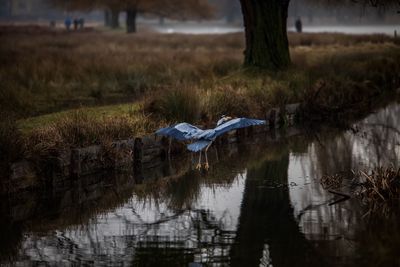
(28, 125)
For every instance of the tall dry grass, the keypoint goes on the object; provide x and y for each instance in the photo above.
(380, 185)
(80, 129)
(174, 105)
(378, 188)
(43, 72)
(183, 78)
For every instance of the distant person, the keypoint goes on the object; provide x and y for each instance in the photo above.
(76, 23)
(68, 23)
(81, 23)
(298, 25)
(52, 24)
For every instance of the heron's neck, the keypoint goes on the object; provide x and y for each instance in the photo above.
(221, 121)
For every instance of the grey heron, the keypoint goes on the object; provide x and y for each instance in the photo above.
(203, 139)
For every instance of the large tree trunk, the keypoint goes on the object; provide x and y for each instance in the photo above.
(114, 19)
(265, 24)
(131, 20)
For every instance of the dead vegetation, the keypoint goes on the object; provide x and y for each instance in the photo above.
(44, 72)
(380, 185)
(80, 129)
(174, 78)
(334, 181)
(378, 189)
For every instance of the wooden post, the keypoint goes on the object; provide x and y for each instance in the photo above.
(137, 160)
(138, 151)
(272, 119)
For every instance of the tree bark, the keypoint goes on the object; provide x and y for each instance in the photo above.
(131, 20)
(265, 24)
(114, 19)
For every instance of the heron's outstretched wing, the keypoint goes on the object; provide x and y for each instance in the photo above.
(181, 131)
(232, 125)
(198, 145)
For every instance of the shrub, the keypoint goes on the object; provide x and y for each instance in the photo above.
(269, 93)
(175, 105)
(225, 100)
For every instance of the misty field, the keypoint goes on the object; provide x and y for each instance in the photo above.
(111, 86)
(46, 72)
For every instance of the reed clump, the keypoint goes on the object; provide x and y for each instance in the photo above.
(228, 101)
(381, 185)
(175, 105)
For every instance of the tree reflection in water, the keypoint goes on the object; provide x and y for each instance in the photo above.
(268, 232)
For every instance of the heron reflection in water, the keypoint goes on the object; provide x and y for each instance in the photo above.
(203, 139)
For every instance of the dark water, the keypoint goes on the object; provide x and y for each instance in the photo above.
(261, 204)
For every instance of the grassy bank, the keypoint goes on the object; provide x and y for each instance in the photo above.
(45, 72)
(67, 89)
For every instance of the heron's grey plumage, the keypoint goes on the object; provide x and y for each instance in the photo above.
(186, 131)
(181, 132)
(202, 139)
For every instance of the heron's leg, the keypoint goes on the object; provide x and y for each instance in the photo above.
(216, 153)
(206, 166)
(198, 167)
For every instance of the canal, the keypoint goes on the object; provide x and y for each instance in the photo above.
(260, 204)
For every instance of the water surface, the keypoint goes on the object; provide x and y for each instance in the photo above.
(261, 204)
(223, 29)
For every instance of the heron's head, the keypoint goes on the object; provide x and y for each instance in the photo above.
(223, 119)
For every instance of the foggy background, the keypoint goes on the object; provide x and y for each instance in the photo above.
(315, 16)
